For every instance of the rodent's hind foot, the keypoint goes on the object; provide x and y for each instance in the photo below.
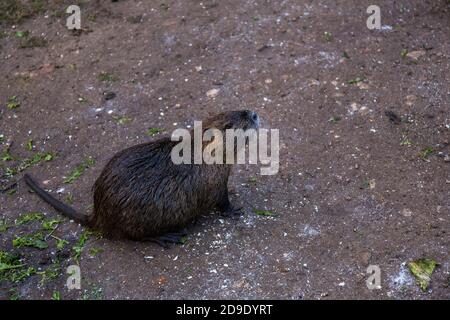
(173, 237)
(232, 212)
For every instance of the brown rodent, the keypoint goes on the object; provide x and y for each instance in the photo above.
(142, 195)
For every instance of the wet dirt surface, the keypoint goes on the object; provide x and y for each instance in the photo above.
(354, 188)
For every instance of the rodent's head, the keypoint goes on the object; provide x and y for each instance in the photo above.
(241, 119)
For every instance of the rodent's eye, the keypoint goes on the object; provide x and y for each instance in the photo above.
(228, 126)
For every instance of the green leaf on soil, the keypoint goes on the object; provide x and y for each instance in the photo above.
(37, 158)
(265, 213)
(122, 119)
(152, 131)
(21, 34)
(50, 273)
(56, 295)
(12, 103)
(4, 225)
(28, 217)
(334, 119)
(29, 145)
(12, 269)
(50, 224)
(79, 170)
(9, 261)
(78, 248)
(355, 80)
(95, 251)
(406, 142)
(404, 52)
(60, 243)
(252, 180)
(35, 240)
(422, 269)
(75, 174)
(425, 153)
(6, 156)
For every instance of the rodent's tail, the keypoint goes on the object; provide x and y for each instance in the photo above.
(55, 203)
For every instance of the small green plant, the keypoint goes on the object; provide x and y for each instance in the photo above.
(48, 156)
(355, 80)
(50, 273)
(60, 243)
(422, 269)
(12, 269)
(28, 217)
(21, 34)
(252, 180)
(334, 119)
(264, 213)
(153, 131)
(79, 170)
(92, 17)
(122, 119)
(37, 158)
(25, 163)
(79, 247)
(89, 161)
(35, 240)
(95, 251)
(13, 103)
(6, 156)
(406, 142)
(404, 53)
(9, 261)
(56, 295)
(29, 145)
(50, 224)
(425, 153)
(10, 172)
(4, 225)
(75, 174)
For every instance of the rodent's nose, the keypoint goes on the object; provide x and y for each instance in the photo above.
(255, 118)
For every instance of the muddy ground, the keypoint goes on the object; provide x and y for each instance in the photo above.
(355, 187)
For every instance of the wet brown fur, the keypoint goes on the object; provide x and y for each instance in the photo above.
(141, 193)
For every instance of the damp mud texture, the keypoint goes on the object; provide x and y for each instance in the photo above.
(364, 120)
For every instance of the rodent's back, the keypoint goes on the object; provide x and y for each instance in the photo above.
(141, 192)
